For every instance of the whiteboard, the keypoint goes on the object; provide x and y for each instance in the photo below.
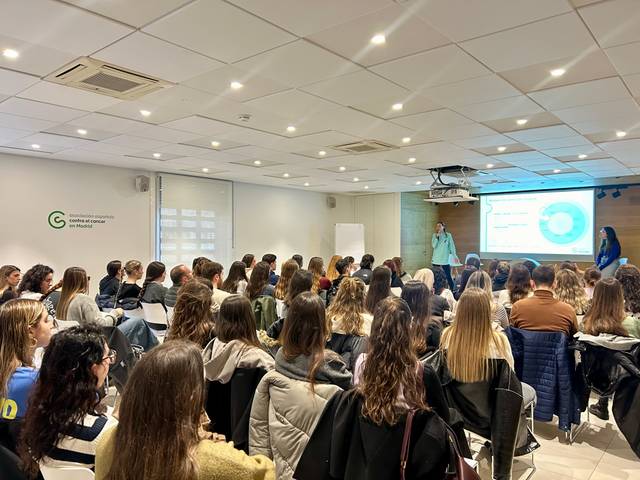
(350, 240)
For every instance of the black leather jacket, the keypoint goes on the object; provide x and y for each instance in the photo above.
(490, 409)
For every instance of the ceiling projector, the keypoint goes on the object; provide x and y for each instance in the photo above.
(443, 192)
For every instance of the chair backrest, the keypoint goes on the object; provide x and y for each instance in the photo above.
(155, 315)
(279, 307)
(66, 473)
(10, 465)
(170, 314)
(134, 313)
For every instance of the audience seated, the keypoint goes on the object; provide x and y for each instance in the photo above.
(365, 272)
(130, 290)
(24, 326)
(518, 286)
(259, 282)
(286, 272)
(441, 288)
(569, 290)
(35, 284)
(589, 279)
(475, 367)
(332, 273)
(543, 312)
(196, 265)
(192, 318)
(76, 306)
(213, 271)
(471, 264)
(9, 281)
(350, 324)
(379, 288)
(298, 259)
(342, 269)
(395, 280)
(301, 281)
(153, 291)
(492, 269)
(351, 265)
(499, 280)
(110, 284)
(360, 433)
(180, 274)
(290, 399)
(320, 282)
(481, 280)
(171, 445)
(270, 259)
(427, 327)
(237, 280)
(402, 275)
(629, 277)
(65, 419)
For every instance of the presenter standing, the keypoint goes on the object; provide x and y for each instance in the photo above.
(608, 259)
(443, 250)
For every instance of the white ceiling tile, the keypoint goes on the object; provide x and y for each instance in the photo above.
(325, 139)
(405, 34)
(571, 176)
(163, 134)
(304, 17)
(622, 146)
(72, 131)
(139, 143)
(108, 123)
(498, 109)
(200, 125)
(467, 131)
(34, 59)
(436, 119)
(218, 30)
(633, 82)
(595, 91)
(21, 144)
(218, 82)
(625, 58)
(515, 173)
(625, 111)
(484, 141)
(148, 55)
(411, 104)
(522, 159)
(551, 39)
(24, 123)
(464, 19)
(572, 151)
(298, 63)
(474, 90)
(136, 13)
(613, 23)
(183, 150)
(59, 26)
(573, 141)
(14, 82)
(436, 67)
(56, 140)
(9, 135)
(109, 148)
(543, 133)
(68, 97)
(159, 114)
(358, 87)
(235, 113)
(291, 104)
(39, 110)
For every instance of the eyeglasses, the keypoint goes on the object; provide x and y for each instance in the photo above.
(111, 356)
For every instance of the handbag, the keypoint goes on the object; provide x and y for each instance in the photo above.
(458, 468)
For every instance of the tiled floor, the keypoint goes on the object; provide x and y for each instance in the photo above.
(600, 452)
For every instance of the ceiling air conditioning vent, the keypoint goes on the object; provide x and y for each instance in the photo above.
(100, 77)
(365, 146)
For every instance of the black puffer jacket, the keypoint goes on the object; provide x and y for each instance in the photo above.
(349, 347)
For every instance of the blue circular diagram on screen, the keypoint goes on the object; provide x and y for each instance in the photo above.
(563, 222)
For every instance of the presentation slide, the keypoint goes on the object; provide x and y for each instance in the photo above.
(547, 225)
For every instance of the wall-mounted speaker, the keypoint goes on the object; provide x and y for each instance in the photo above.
(142, 183)
(331, 202)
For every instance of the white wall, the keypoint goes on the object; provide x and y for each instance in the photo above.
(31, 188)
(286, 221)
(380, 215)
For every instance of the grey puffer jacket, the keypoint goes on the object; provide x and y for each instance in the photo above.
(286, 410)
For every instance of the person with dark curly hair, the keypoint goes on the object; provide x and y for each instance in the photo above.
(629, 277)
(64, 421)
(36, 284)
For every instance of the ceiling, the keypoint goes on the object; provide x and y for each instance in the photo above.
(473, 78)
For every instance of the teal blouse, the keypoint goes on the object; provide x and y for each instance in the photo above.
(443, 246)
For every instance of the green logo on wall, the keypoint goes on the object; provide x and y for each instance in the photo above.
(56, 219)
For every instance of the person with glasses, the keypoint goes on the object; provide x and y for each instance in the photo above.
(65, 419)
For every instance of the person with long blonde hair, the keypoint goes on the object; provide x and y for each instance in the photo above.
(320, 282)
(332, 273)
(569, 290)
(76, 305)
(286, 272)
(350, 324)
(192, 318)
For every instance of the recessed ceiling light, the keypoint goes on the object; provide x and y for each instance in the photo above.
(621, 134)
(356, 179)
(378, 39)
(10, 53)
(145, 113)
(406, 139)
(342, 169)
(236, 85)
(205, 170)
(157, 155)
(489, 165)
(306, 184)
(291, 129)
(502, 149)
(557, 72)
(35, 146)
(397, 107)
(215, 144)
(582, 156)
(285, 175)
(322, 153)
(81, 131)
(412, 160)
(557, 170)
(419, 182)
(257, 162)
(522, 121)
(366, 187)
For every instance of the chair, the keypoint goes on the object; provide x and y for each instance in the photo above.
(134, 313)
(10, 465)
(126, 356)
(66, 473)
(155, 315)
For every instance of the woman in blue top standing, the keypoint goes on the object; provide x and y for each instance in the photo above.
(608, 259)
(443, 248)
